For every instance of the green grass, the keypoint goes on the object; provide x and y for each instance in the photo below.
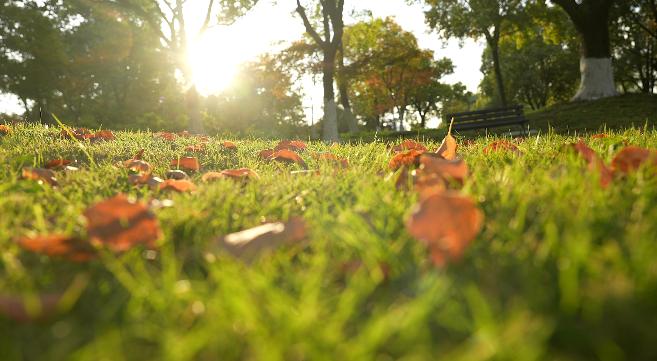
(596, 116)
(562, 270)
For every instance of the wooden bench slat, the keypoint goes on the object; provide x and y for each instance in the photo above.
(483, 111)
(487, 116)
(490, 123)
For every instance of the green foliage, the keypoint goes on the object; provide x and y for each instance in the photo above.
(564, 269)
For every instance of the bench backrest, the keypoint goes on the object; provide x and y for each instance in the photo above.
(510, 111)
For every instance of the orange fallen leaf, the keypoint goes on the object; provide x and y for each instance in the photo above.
(57, 163)
(139, 155)
(412, 157)
(500, 145)
(247, 243)
(286, 156)
(107, 135)
(59, 245)
(243, 173)
(14, 307)
(265, 154)
(167, 136)
(446, 170)
(598, 136)
(145, 178)
(184, 134)
(202, 138)
(595, 163)
(287, 145)
(138, 166)
(175, 174)
(4, 130)
(299, 144)
(408, 145)
(631, 159)
(178, 185)
(121, 224)
(40, 175)
(448, 147)
(447, 223)
(229, 145)
(335, 145)
(186, 163)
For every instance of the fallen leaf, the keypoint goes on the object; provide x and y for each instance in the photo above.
(412, 157)
(168, 136)
(201, 138)
(299, 144)
(286, 156)
(595, 163)
(121, 224)
(335, 145)
(186, 163)
(178, 185)
(447, 149)
(145, 178)
(57, 163)
(59, 245)
(40, 175)
(265, 154)
(175, 174)
(247, 243)
(243, 173)
(14, 307)
(286, 145)
(4, 130)
(501, 145)
(447, 170)
(447, 223)
(138, 166)
(632, 158)
(184, 134)
(139, 154)
(107, 135)
(409, 145)
(229, 145)
(598, 136)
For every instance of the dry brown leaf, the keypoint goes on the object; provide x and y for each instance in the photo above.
(4, 130)
(59, 245)
(447, 149)
(412, 157)
(598, 136)
(106, 135)
(229, 145)
(631, 159)
(139, 155)
(184, 134)
(175, 174)
(265, 154)
(447, 170)
(178, 185)
(145, 178)
(447, 223)
(501, 145)
(243, 174)
(121, 224)
(167, 136)
(595, 163)
(138, 166)
(286, 156)
(246, 244)
(57, 163)
(40, 175)
(190, 163)
(409, 145)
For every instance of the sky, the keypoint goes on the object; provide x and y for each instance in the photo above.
(216, 55)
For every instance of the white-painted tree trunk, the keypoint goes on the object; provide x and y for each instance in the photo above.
(331, 134)
(597, 79)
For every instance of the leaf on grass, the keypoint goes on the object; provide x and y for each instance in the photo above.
(287, 157)
(229, 145)
(299, 144)
(57, 163)
(40, 175)
(184, 134)
(598, 136)
(288, 145)
(632, 158)
(447, 149)
(595, 163)
(178, 185)
(121, 224)
(246, 244)
(412, 157)
(145, 178)
(408, 145)
(4, 130)
(446, 170)
(139, 155)
(190, 163)
(107, 135)
(243, 173)
(138, 166)
(265, 154)
(59, 245)
(14, 307)
(501, 145)
(447, 223)
(175, 174)
(166, 137)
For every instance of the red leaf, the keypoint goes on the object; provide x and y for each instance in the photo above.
(4, 130)
(632, 158)
(445, 222)
(57, 163)
(168, 136)
(107, 135)
(595, 163)
(178, 185)
(59, 245)
(299, 144)
(265, 154)
(598, 136)
(184, 134)
(286, 156)
(412, 157)
(121, 224)
(409, 145)
(186, 163)
(436, 170)
(229, 145)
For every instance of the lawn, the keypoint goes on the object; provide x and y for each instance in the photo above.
(563, 269)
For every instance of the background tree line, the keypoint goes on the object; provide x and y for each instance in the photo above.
(114, 62)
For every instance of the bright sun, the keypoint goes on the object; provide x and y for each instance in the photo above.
(212, 69)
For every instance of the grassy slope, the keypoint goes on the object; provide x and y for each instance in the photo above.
(613, 113)
(563, 269)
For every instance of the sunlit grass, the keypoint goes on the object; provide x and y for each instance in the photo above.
(563, 269)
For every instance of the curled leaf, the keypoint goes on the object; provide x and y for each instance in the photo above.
(287, 157)
(448, 147)
(120, 224)
(447, 171)
(57, 163)
(447, 223)
(184, 134)
(412, 157)
(246, 244)
(4, 130)
(138, 166)
(106, 135)
(632, 158)
(175, 174)
(145, 178)
(139, 155)
(59, 245)
(178, 185)
(229, 145)
(186, 163)
(40, 175)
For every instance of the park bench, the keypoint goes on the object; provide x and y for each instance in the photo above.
(489, 118)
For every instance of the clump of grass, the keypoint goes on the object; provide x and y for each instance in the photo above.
(563, 269)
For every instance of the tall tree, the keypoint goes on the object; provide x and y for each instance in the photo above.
(342, 81)
(333, 25)
(490, 19)
(175, 36)
(591, 19)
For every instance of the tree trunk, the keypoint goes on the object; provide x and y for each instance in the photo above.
(344, 98)
(498, 74)
(331, 134)
(402, 112)
(591, 19)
